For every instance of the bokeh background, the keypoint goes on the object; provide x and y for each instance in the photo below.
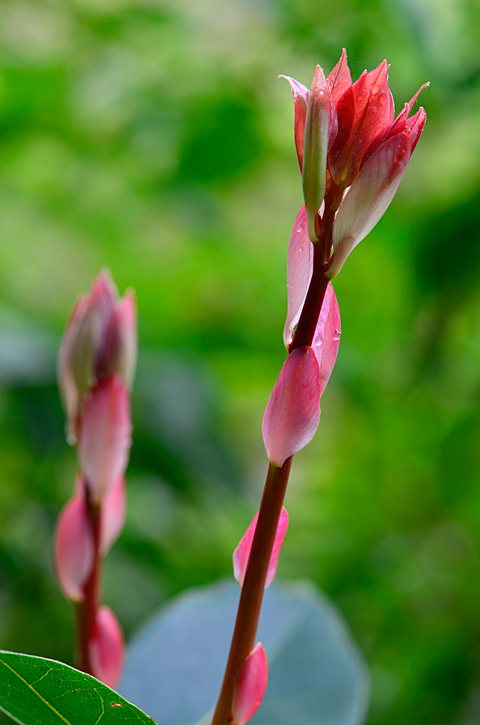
(152, 137)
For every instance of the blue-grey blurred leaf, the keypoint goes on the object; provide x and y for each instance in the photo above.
(27, 351)
(316, 675)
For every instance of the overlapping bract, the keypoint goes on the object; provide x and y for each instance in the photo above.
(365, 148)
(293, 411)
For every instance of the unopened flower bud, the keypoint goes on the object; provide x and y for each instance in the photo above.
(99, 341)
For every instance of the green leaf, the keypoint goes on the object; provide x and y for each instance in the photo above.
(316, 675)
(38, 691)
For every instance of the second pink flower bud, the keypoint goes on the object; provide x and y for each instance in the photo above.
(100, 341)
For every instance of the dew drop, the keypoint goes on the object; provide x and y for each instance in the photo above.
(336, 335)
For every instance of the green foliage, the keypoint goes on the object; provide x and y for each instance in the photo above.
(35, 690)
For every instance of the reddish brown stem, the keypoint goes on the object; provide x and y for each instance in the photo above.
(86, 611)
(253, 587)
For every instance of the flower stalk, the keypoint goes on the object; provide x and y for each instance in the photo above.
(85, 610)
(347, 140)
(253, 587)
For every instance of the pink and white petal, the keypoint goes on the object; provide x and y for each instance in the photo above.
(241, 554)
(299, 272)
(113, 512)
(293, 411)
(327, 336)
(371, 193)
(73, 548)
(251, 686)
(300, 100)
(105, 436)
(107, 647)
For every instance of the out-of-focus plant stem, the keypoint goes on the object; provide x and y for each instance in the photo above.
(86, 610)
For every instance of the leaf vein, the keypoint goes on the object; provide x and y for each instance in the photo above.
(48, 704)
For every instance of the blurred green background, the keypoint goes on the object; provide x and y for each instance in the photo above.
(153, 138)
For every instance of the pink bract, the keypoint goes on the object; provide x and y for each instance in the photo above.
(293, 411)
(105, 436)
(106, 647)
(251, 686)
(73, 548)
(326, 340)
(113, 512)
(242, 552)
(299, 272)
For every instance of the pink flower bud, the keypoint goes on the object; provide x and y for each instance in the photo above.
(113, 512)
(317, 129)
(105, 436)
(293, 411)
(251, 686)
(99, 341)
(81, 342)
(106, 647)
(241, 554)
(73, 548)
(364, 163)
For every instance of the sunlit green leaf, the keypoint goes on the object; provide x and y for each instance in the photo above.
(36, 691)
